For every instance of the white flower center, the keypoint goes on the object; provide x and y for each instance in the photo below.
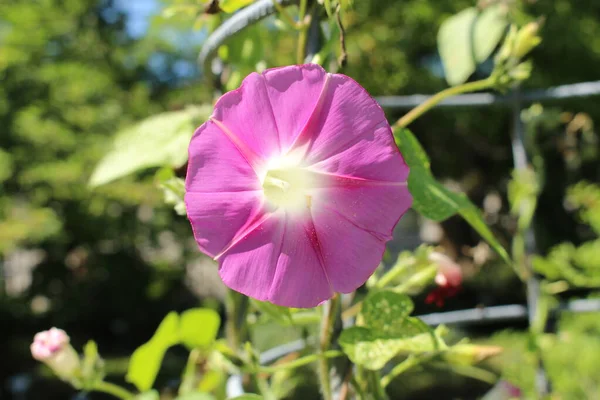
(287, 185)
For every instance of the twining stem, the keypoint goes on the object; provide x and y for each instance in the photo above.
(302, 37)
(190, 372)
(286, 16)
(329, 318)
(394, 272)
(112, 389)
(301, 361)
(236, 306)
(431, 102)
(472, 372)
(404, 366)
(375, 387)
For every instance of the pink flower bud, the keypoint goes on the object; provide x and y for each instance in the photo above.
(449, 273)
(503, 390)
(448, 279)
(53, 348)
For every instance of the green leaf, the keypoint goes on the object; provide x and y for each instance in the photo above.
(469, 38)
(432, 199)
(381, 310)
(196, 396)
(279, 314)
(151, 395)
(199, 327)
(248, 396)
(173, 189)
(366, 347)
(160, 140)
(230, 6)
(454, 46)
(388, 331)
(489, 29)
(146, 360)
(412, 151)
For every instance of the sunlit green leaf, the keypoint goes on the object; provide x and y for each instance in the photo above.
(388, 331)
(173, 189)
(199, 327)
(366, 347)
(382, 309)
(454, 46)
(489, 28)
(161, 140)
(469, 38)
(146, 360)
(230, 6)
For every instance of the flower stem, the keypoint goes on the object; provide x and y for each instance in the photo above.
(431, 102)
(394, 272)
(330, 309)
(374, 382)
(114, 390)
(301, 361)
(286, 16)
(236, 307)
(302, 37)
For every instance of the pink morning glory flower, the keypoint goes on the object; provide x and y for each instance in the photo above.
(294, 185)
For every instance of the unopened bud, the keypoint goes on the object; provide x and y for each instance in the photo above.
(468, 354)
(449, 272)
(527, 39)
(503, 390)
(448, 279)
(522, 71)
(506, 50)
(53, 348)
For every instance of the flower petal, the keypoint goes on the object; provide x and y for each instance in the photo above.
(374, 208)
(294, 92)
(249, 265)
(278, 262)
(218, 218)
(373, 157)
(344, 115)
(301, 279)
(216, 164)
(351, 254)
(247, 113)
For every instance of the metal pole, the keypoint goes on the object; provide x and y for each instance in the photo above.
(533, 284)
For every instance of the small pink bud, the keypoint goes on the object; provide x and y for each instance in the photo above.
(53, 348)
(449, 272)
(503, 390)
(448, 279)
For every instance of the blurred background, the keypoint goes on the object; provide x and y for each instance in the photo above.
(109, 262)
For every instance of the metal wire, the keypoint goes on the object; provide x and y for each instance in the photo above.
(583, 89)
(234, 25)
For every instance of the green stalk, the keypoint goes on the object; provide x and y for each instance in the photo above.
(331, 309)
(394, 272)
(302, 37)
(422, 108)
(114, 390)
(301, 361)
